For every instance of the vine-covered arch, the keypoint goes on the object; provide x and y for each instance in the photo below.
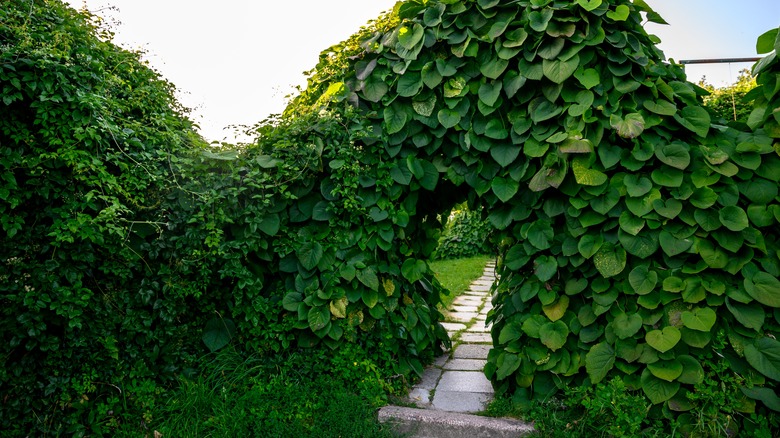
(636, 234)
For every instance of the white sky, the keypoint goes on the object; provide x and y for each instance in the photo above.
(234, 61)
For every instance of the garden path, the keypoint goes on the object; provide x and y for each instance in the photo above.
(455, 382)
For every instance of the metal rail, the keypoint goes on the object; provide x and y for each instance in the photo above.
(719, 61)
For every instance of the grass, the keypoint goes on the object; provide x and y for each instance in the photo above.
(238, 397)
(457, 274)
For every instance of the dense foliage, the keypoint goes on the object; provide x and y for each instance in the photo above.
(638, 241)
(638, 238)
(465, 234)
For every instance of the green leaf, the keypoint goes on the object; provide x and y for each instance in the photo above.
(693, 373)
(270, 224)
(545, 268)
(643, 280)
(626, 326)
(589, 78)
(701, 319)
(642, 245)
(765, 395)
(540, 19)
(493, 68)
(395, 120)
(590, 244)
(309, 254)
(558, 71)
(553, 335)
(669, 209)
(667, 177)
(657, 390)
(505, 188)
(513, 82)
(490, 92)
(599, 361)
(318, 317)
(409, 84)
(766, 42)
(629, 127)
(410, 37)
(368, 277)
(674, 154)
(637, 185)
(292, 301)
(413, 269)
(610, 260)
(557, 309)
(495, 129)
(695, 118)
(764, 355)
(668, 370)
(218, 333)
(589, 5)
(673, 246)
(663, 340)
(374, 89)
(764, 288)
(505, 153)
(370, 297)
(511, 332)
(734, 218)
(750, 315)
(541, 234)
(507, 363)
(620, 13)
(630, 223)
(541, 109)
(338, 308)
(586, 176)
(448, 117)
(662, 107)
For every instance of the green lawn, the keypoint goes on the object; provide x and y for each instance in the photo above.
(457, 274)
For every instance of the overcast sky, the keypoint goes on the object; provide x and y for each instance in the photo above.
(236, 60)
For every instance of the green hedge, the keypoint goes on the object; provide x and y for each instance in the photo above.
(465, 234)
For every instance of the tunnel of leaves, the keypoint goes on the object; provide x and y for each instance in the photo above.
(635, 233)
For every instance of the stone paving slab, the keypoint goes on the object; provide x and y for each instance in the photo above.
(429, 379)
(478, 327)
(468, 300)
(476, 338)
(453, 326)
(471, 351)
(474, 287)
(464, 309)
(462, 317)
(464, 381)
(456, 401)
(465, 364)
(420, 396)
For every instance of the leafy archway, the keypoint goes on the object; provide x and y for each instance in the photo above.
(637, 235)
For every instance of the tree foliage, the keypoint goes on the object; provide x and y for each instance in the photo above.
(730, 103)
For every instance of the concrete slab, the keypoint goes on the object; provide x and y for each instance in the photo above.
(468, 300)
(464, 381)
(462, 317)
(429, 378)
(479, 327)
(475, 287)
(476, 338)
(453, 326)
(427, 423)
(461, 401)
(482, 294)
(465, 365)
(471, 351)
(441, 360)
(464, 309)
(420, 397)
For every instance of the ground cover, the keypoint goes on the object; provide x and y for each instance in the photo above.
(457, 274)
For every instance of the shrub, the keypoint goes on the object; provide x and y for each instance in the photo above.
(465, 234)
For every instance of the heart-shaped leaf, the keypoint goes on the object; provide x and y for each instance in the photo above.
(626, 326)
(734, 218)
(764, 288)
(764, 355)
(553, 334)
(610, 260)
(556, 310)
(413, 269)
(643, 280)
(663, 340)
(669, 209)
(558, 71)
(629, 127)
(672, 245)
(701, 319)
(668, 370)
(620, 13)
(657, 390)
(505, 188)
(695, 118)
(674, 154)
(599, 361)
(589, 5)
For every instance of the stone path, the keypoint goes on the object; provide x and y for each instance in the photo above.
(455, 382)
